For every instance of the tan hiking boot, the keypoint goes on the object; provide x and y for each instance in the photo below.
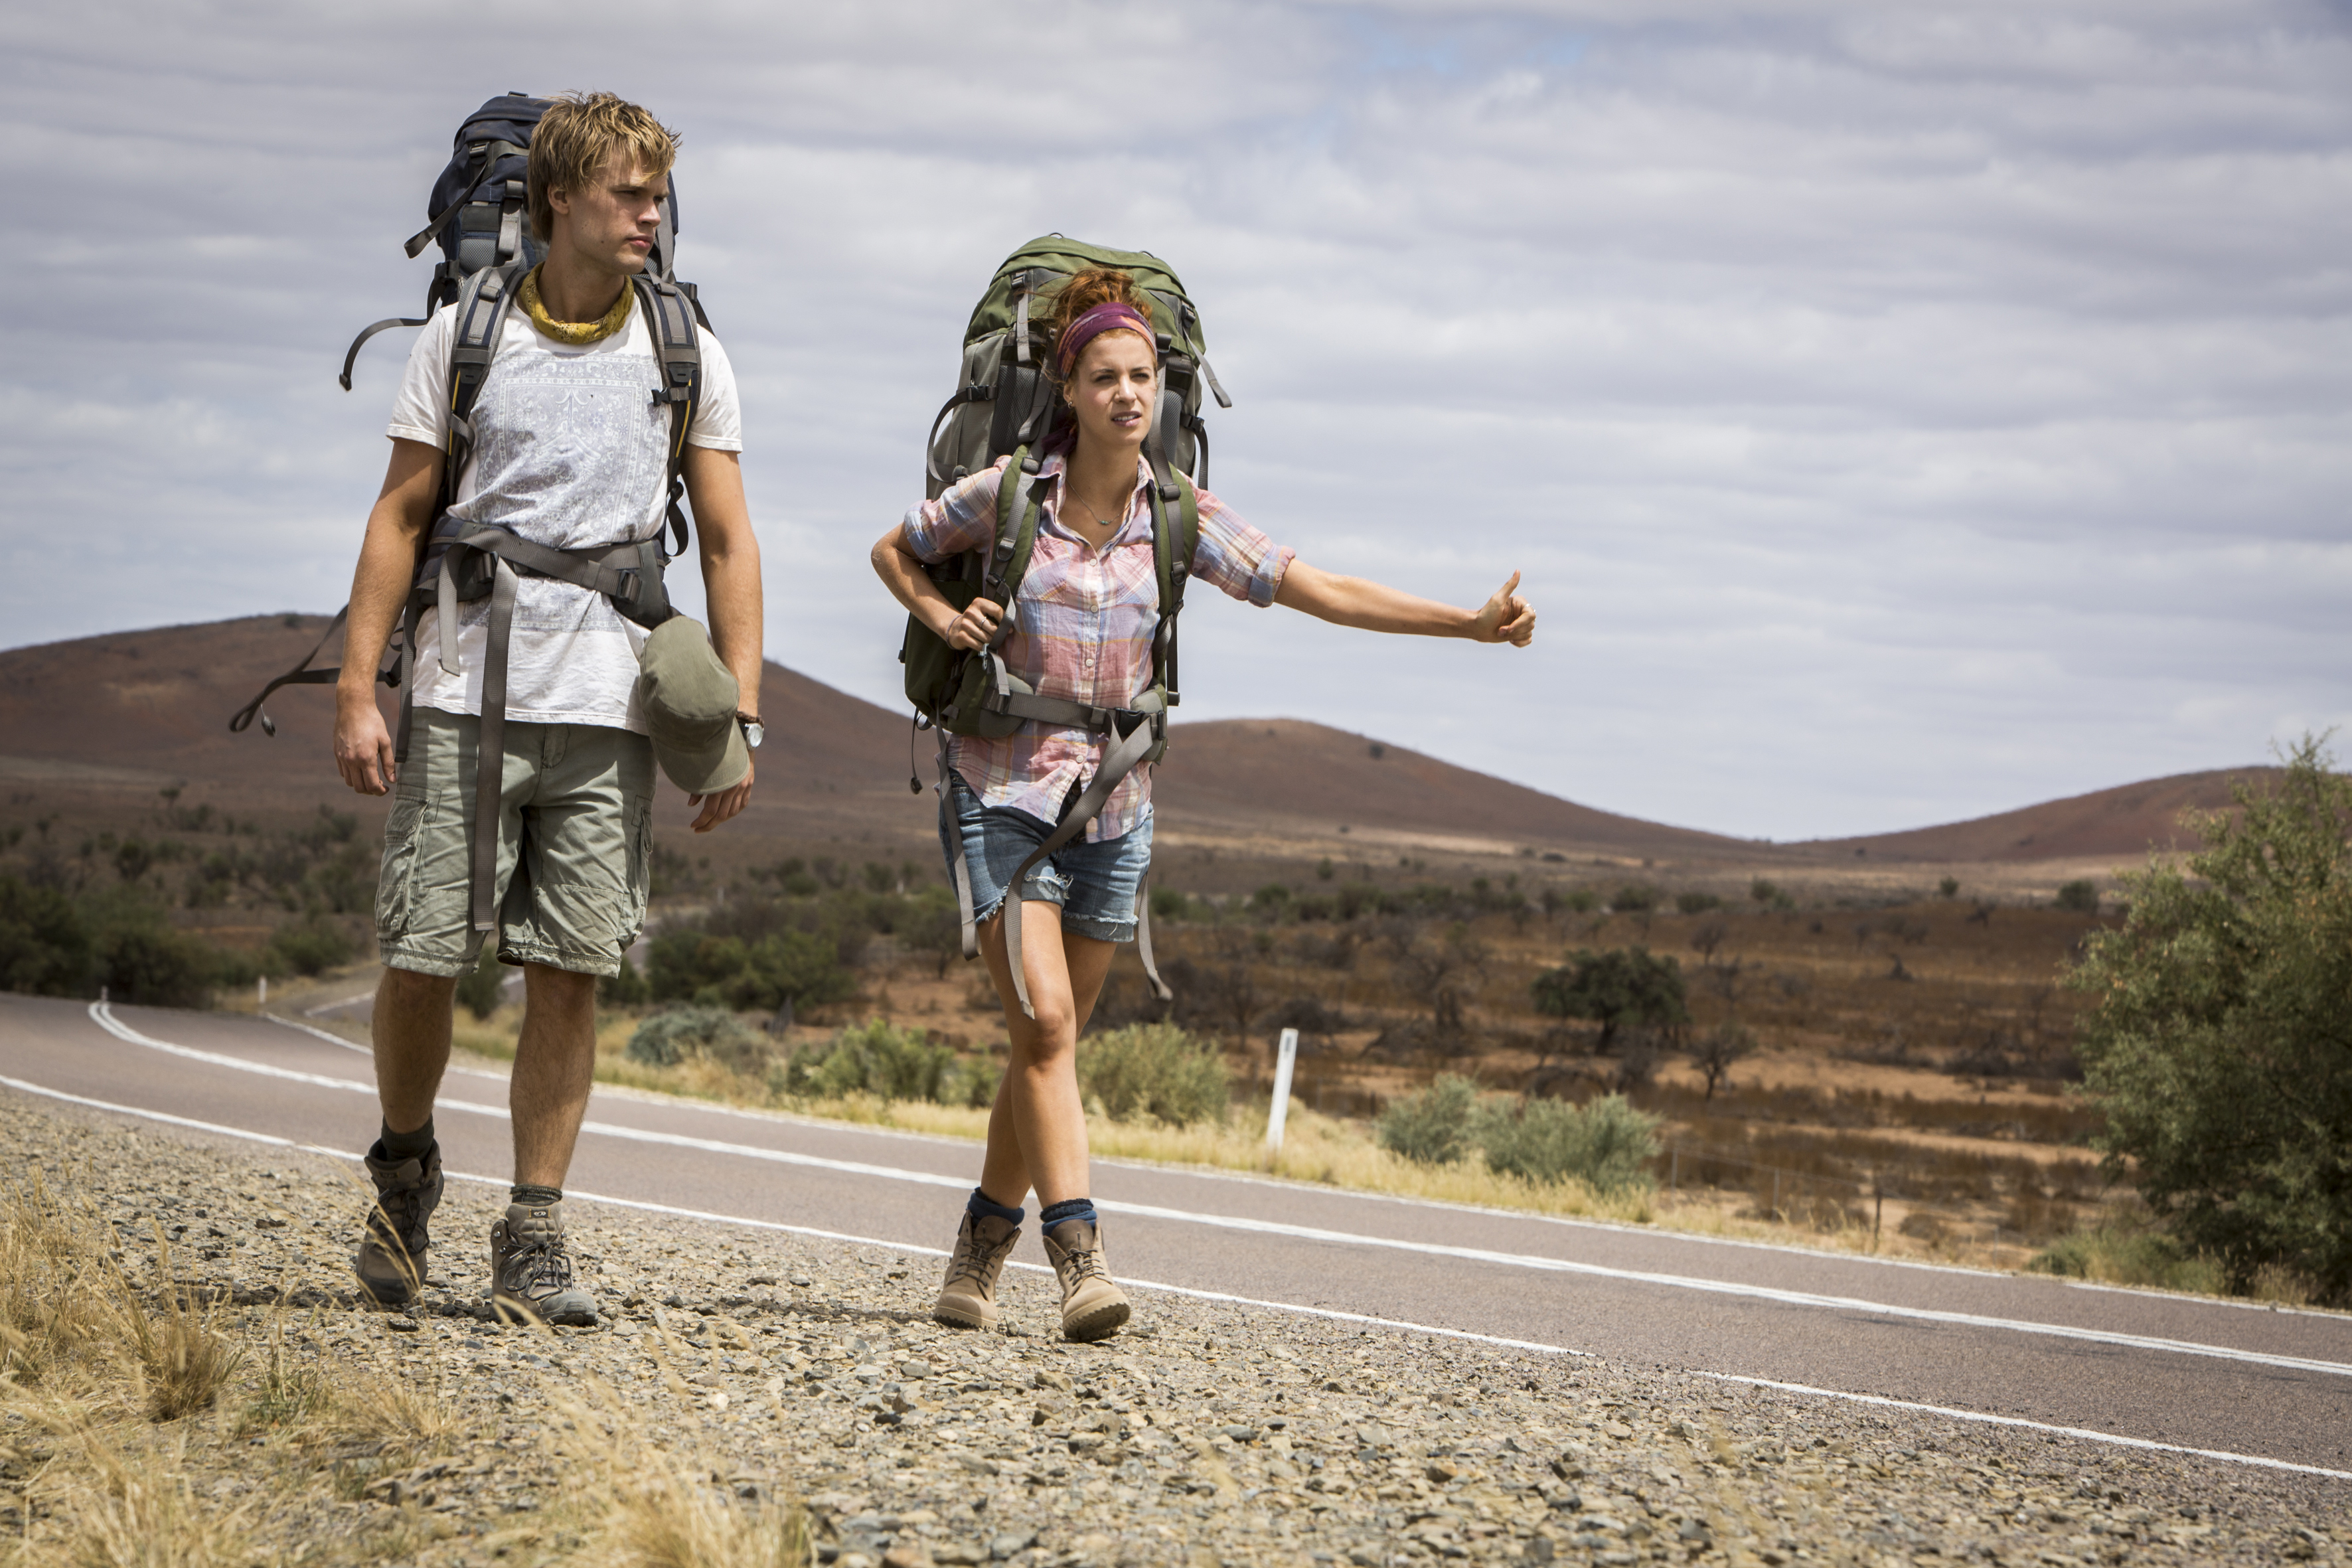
(530, 1270)
(967, 1300)
(1092, 1307)
(393, 1239)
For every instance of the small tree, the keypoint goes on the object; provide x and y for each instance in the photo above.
(1949, 888)
(1432, 1127)
(2220, 1045)
(1721, 1047)
(1624, 986)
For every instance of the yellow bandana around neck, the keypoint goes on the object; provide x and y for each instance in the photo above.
(576, 333)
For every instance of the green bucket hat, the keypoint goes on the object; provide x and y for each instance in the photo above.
(689, 700)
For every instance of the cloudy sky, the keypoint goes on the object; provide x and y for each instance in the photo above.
(1899, 412)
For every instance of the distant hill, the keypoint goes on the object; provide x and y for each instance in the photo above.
(134, 711)
(2125, 822)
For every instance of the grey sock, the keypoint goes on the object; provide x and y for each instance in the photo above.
(408, 1145)
(523, 1193)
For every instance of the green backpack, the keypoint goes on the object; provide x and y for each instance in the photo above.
(1006, 406)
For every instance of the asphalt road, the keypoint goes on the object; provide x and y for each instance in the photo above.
(2230, 1380)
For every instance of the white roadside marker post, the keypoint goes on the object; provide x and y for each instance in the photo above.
(265, 990)
(1286, 1058)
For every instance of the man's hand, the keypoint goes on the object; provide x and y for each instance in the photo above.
(718, 809)
(1506, 617)
(363, 745)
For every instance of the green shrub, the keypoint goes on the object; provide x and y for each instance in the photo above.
(2081, 895)
(669, 1038)
(44, 945)
(2126, 1256)
(875, 1058)
(1764, 891)
(1168, 904)
(627, 989)
(480, 989)
(1605, 1144)
(1949, 888)
(309, 947)
(2219, 1048)
(1697, 903)
(728, 971)
(1431, 1127)
(1634, 898)
(1156, 1070)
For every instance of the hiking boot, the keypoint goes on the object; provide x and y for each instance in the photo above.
(967, 1300)
(1092, 1307)
(530, 1270)
(393, 1242)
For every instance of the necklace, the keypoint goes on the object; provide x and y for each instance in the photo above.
(1100, 518)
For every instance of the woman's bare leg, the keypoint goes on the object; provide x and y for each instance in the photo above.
(1037, 1129)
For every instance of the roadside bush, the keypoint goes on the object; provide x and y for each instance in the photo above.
(875, 1058)
(2220, 1049)
(1606, 1143)
(43, 946)
(479, 989)
(1156, 1070)
(669, 1038)
(2082, 896)
(311, 946)
(1432, 1127)
(728, 971)
(627, 989)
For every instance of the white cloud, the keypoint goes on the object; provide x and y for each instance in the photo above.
(1899, 414)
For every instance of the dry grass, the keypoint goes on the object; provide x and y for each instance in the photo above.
(131, 1507)
(649, 1505)
(182, 1358)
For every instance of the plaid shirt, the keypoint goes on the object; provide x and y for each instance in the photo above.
(1082, 630)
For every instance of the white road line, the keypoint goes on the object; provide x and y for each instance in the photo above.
(316, 1033)
(1536, 1347)
(1531, 1261)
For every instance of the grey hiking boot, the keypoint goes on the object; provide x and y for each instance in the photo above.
(1092, 1307)
(530, 1270)
(967, 1300)
(393, 1240)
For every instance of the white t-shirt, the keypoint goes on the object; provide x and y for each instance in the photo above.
(569, 451)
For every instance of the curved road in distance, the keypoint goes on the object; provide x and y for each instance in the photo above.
(2218, 1378)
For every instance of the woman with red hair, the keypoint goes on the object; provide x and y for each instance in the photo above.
(1082, 624)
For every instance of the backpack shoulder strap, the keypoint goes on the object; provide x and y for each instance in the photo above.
(671, 313)
(1171, 561)
(482, 306)
(1017, 504)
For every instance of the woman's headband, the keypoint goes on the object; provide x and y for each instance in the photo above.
(1111, 316)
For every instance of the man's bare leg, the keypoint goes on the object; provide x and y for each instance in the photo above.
(411, 1033)
(554, 1068)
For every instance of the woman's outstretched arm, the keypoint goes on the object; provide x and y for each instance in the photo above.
(1376, 607)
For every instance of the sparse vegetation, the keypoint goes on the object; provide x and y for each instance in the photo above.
(1432, 1127)
(1154, 1070)
(1604, 1143)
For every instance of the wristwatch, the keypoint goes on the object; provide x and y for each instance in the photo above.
(754, 730)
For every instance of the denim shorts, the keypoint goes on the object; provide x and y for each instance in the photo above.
(1095, 883)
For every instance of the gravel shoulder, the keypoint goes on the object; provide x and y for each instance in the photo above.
(772, 1371)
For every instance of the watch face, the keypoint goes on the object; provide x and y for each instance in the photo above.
(753, 735)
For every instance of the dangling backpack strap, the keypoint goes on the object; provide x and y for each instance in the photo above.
(1001, 567)
(481, 313)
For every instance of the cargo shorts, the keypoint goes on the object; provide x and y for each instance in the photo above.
(575, 839)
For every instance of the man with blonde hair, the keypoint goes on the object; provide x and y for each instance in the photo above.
(543, 695)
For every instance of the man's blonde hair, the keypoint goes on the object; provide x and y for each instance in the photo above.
(577, 134)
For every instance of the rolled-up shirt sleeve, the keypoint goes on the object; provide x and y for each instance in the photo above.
(963, 518)
(1238, 558)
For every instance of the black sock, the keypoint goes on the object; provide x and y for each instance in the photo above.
(982, 1206)
(534, 1197)
(1053, 1216)
(408, 1145)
